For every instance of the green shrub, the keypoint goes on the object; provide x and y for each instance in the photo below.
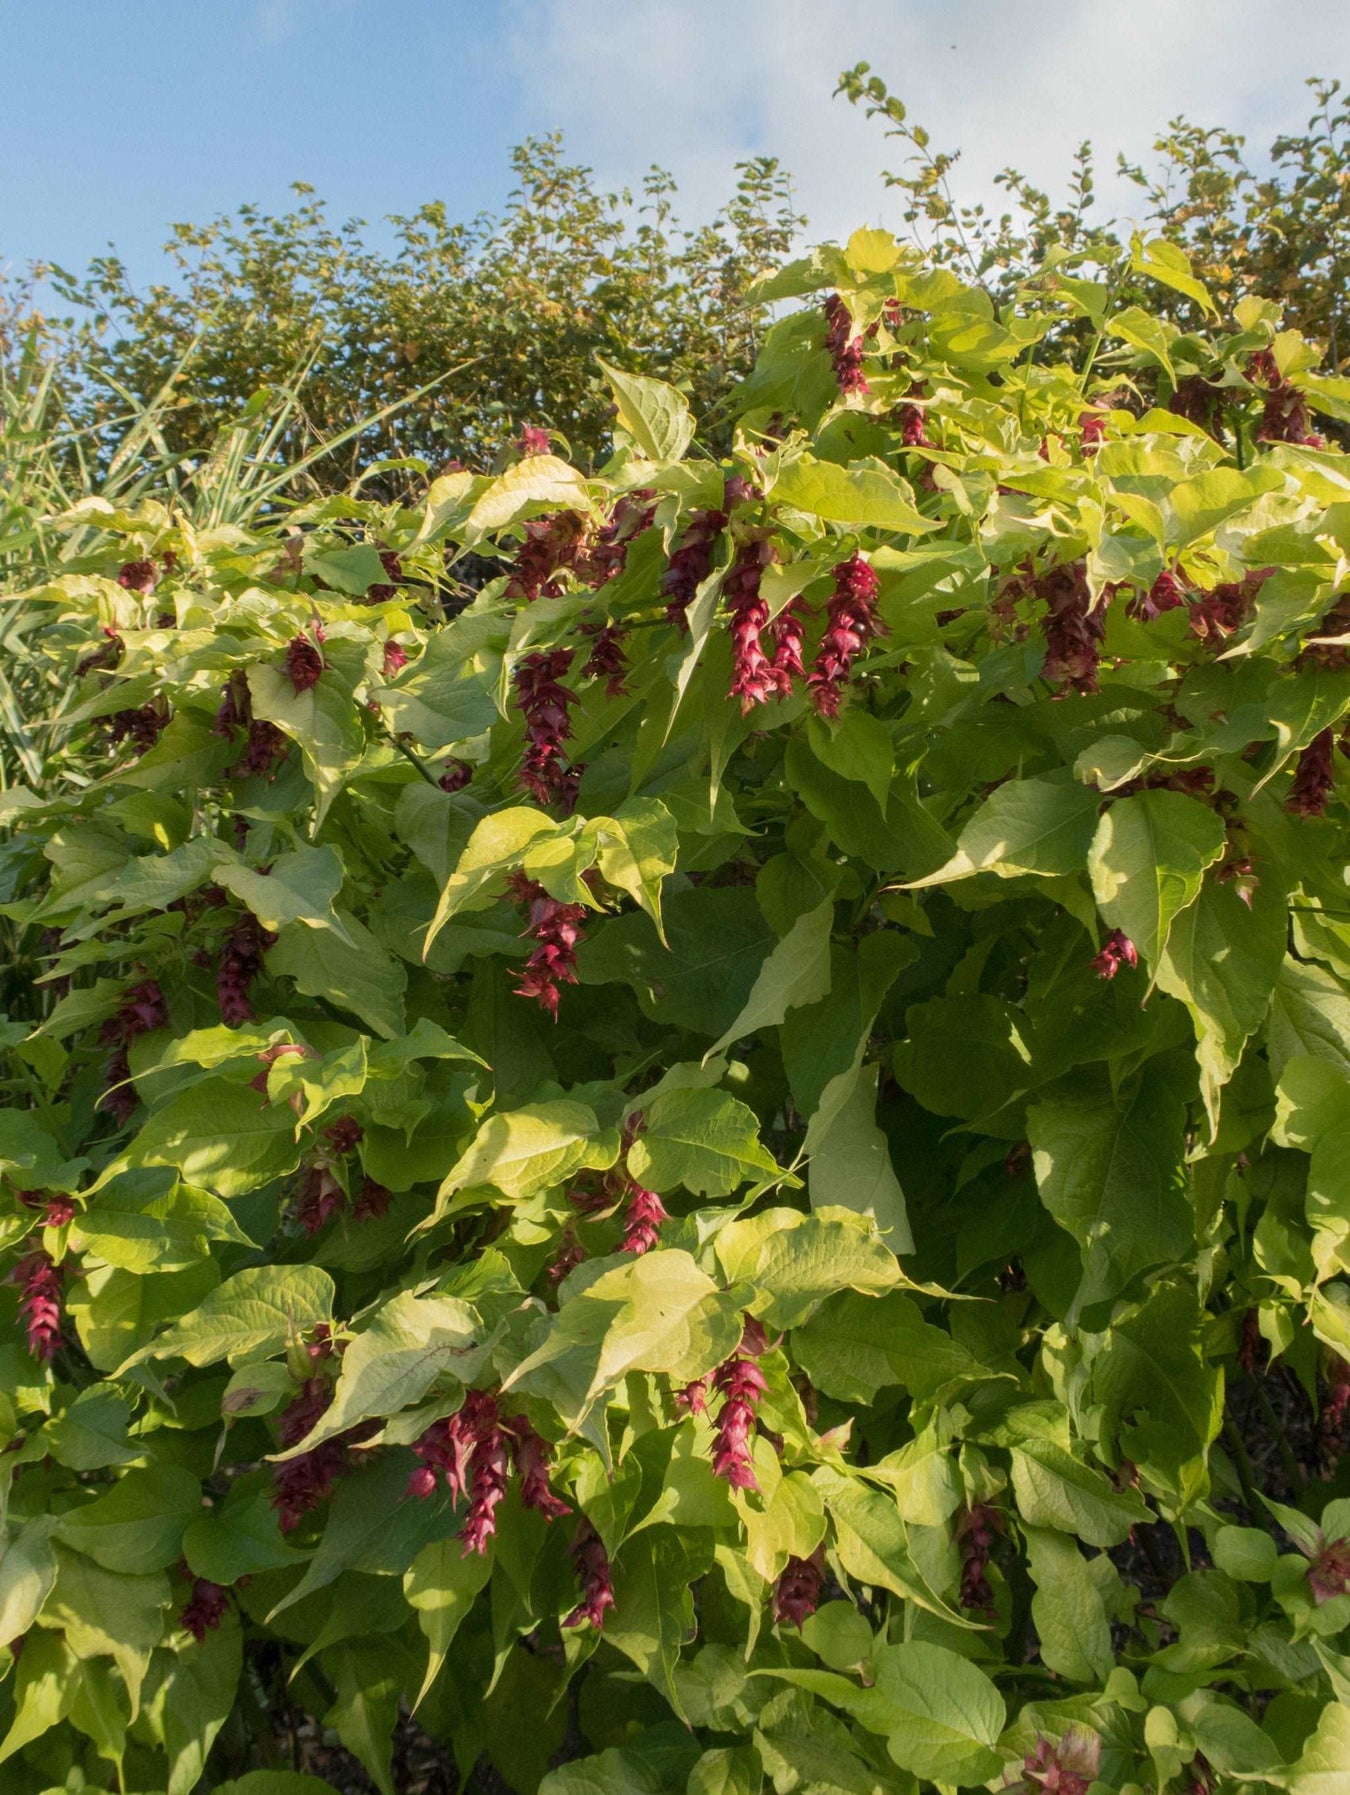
(722, 1166)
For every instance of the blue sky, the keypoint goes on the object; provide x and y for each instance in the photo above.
(121, 116)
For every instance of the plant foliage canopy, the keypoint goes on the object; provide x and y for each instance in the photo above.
(728, 1142)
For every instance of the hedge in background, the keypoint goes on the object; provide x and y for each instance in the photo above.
(728, 1168)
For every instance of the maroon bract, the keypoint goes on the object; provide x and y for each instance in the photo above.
(754, 679)
(139, 576)
(532, 1457)
(975, 1535)
(455, 775)
(395, 658)
(1329, 1572)
(533, 440)
(642, 1221)
(39, 1281)
(632, 514)
(142, 727)
(372, 1201)
(1073, 628)
(741, 1383)
(206, 1609)
(1284, 418)
(318, 1198)
(588, 1554)
(1313, 777)
(103, 659)
(1165, 594)
(691, 564)
(1117, 951)
(300, 1484)
(1091, 431)
(58, 1211)
(607, 659)
(1332, 1421)
(556, 930)
(845, 347)
(788, 632)
(266, 745)
(235, 710)
(344, 1135)
(545, 702)
(239, 964)
(796, 1594)
(142, 1008)
(1069, 1768)
(304, 664)
(850, 624)
(552, 545)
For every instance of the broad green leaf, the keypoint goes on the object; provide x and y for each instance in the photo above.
(655, 415)
(653, 1610)
(496, 846)
(440, 1586)
(873, 1542)
(635, 850)
(222, 1137)
(137, 1525)
(195, 1700)
(524, 1151)
(1324, 1763)
(323, 721)
(1147, 861)
(1222, 959)
(856, 1345)
(1026, 826)
(1110, 1172)
(239, 1539)
(796, 972)
(795, 1261)
(91, 1434)
(851, 1166)
(1054, 1489)
(297, 887)
(537, 483)
(27, 1574)
(145, 1221)
(702, 1140)
(347, 967)
(865, 494)
(250, 1315)
(393, 1362)
(1067, 1610)
(948, 1714)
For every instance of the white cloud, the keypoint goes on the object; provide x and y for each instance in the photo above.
(696, 84)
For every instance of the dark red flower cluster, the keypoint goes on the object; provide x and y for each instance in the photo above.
(976, 1532)
(691, 564)
(56, 1210)
(235, 710)
(632, 514)
(386, 591)
(588, 1554)
(1216, 614)
(607, 659)
(266, 745)
(395, 658)
(1199, 400)
(850, 624)
(533, 440)
(1166, 593)
(741, 1383)
(1091, 431)
(1328, 646)
(1329, 1572)
(754, 676)
(1117, 951)
(206, 1609)
(104, 659)
(796, 1594)
(455, 775)
(318, 1197)
(239, 964)
(911, 420)
(555, 928)
(1334, 1420)
(1069, 1768)
(569, 1256)
(474, 1451)
(543, 698)
(642, 1220)
(141, 727)
(300, 1484)
(372, 1200)
(1250, 1343)
(1073, 629)
(139, 576)
(552, 545)
(39, 1281)
(1284, 418)
(845, 346)
(141, 1009)
(320, 1194)
(304, 664)
(1314, 777)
